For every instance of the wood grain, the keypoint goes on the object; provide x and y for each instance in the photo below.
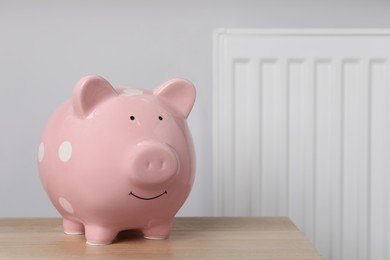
(192, 238)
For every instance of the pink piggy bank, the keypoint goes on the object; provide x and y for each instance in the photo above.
(118, 159)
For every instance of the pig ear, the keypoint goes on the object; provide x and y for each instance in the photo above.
(178, 94)
(89, 92)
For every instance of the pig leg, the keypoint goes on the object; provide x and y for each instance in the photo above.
(98, 235)
(158, 230)
(72, 227)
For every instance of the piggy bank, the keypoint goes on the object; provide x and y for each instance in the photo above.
(113, 159)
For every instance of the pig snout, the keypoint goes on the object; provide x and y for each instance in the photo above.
(153, 164)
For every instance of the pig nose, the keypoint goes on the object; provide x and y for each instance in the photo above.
(153, 164)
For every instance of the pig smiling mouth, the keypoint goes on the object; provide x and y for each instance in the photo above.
(152, 198)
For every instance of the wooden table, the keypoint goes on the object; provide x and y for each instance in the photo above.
(192, 238)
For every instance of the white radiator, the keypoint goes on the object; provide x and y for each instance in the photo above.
(302, 128)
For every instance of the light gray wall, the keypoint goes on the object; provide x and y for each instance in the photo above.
(46, 46)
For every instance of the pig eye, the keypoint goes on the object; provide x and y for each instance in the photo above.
(132, 117)
(160, 117)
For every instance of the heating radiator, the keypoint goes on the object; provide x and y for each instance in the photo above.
(302, 129)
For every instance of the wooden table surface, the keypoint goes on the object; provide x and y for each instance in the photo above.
(192, 238)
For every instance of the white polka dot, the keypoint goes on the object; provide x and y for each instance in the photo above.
(41, 152)
(132, 92)
(65, 151)
(66, 205)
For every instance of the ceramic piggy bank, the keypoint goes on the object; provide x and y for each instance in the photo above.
(118, 159)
